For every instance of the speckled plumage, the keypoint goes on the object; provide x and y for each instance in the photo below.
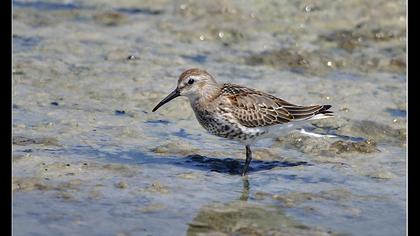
(245, 114)
(240, 113)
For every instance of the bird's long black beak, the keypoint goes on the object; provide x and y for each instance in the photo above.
(168, 98)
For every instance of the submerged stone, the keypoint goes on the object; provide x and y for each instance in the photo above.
(21, 140)
(242, 218)
(341, 146)
(372, 130)
(280, 59)
(110, 18)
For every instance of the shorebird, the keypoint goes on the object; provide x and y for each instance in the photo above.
(240, 113)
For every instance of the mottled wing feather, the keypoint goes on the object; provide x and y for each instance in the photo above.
(253, 108)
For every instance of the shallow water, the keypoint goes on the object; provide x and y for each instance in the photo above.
(90, 158)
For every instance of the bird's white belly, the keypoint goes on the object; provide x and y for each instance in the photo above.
(271, 131)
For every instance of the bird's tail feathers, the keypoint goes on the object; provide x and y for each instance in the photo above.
(323, 113)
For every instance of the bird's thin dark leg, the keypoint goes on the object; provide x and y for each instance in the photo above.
(248, 160)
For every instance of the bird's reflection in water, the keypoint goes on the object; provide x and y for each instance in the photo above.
(245, 189)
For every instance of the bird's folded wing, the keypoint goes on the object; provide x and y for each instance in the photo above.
(253, 108)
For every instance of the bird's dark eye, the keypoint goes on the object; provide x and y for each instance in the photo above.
(190, 81)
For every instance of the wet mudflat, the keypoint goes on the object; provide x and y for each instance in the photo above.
(90, 158)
